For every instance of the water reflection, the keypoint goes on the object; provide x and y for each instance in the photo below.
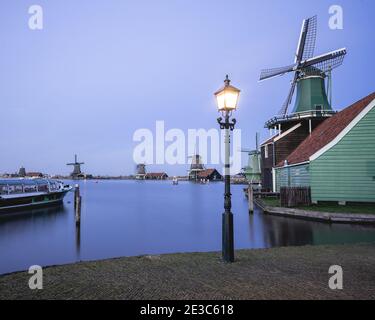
(125, 218)
(283, 232)
(23, 215)
(267, 231)
(277, 231)
(78, 240)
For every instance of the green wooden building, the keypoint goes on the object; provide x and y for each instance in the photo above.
(337, 160)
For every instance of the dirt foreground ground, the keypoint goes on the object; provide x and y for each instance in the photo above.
(279, 273)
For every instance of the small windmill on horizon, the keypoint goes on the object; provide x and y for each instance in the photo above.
(196, 165)
(140, 171)
(77, 173)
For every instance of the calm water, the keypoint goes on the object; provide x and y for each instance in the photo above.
(126, 218)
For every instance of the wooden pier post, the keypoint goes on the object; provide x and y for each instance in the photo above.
(77, 204)
(250, 196)
(78, 238)
(78, 210)
(76, 195)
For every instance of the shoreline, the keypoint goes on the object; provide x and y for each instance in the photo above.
(327, 217)
(277, 273)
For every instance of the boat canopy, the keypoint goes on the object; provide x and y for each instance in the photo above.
(15, 182)
(10, 186)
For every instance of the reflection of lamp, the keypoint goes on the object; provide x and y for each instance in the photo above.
(227, 99)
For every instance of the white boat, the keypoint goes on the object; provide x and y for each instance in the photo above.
(24, 193)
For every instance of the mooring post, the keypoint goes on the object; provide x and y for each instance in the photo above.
(76, 195)
(78, 210)
(77, 204)
(78, 237)
(250, 195)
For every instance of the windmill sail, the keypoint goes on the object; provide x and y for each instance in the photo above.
(270, 73)
(288, 101)
(305, 62)
(306, 44)
(328, 61)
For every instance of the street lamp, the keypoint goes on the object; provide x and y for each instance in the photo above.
(227, 98)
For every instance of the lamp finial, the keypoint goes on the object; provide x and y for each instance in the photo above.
(227, 81)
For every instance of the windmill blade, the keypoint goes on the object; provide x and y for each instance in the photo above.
(306, 43)
(288, 100)
(270, 73)
(326, 62)
(330, 64)
(248, 151)
(244, 150)
(309, 49)
(284, 108)
(253, 152)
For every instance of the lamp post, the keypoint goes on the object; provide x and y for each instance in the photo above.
(227, 98)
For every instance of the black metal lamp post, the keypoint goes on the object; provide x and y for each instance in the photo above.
(227, 98)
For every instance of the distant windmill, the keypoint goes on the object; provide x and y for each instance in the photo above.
(76, 167)
(196, 166)
(309, 72)
(141, 168)
(252, 171)
(140, 171)
(256, 151)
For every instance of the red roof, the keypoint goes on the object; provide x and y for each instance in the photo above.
(206, 173)
(34, 174)
(156, 174)
(327, 131)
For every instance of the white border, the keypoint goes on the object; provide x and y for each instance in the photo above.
(292, 165)
(274, 179)
(287, 132)
(277, 137)
(343, 133)
(334, 53)
(300, 38)
(269, 139)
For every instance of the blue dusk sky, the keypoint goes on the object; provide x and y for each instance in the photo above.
(101, 69)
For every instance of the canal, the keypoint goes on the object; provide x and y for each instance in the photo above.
(127, 218)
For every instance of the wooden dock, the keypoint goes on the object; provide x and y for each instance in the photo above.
(328, 217)
(262, 194)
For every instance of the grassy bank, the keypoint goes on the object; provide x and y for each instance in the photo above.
(278, 273)
(328, 207)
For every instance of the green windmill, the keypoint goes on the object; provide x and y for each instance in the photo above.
(310, 74)
(252, 171)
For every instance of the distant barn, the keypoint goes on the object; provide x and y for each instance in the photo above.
(210, 174)
(34, 175)
(156, 176)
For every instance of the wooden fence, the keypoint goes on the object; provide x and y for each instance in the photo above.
(295, 196)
